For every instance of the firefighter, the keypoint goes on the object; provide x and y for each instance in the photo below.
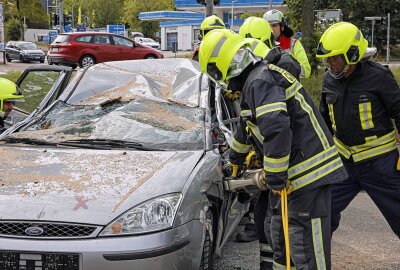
(208, 24)
(284, 37)
(9, 94)
(359, 99)
(258, 28)
(279, 119)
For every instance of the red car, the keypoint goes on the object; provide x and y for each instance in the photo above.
(88, 48)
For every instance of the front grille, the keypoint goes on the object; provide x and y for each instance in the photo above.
(45, 230)
(27, 261)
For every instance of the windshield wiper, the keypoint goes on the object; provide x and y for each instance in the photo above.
(28, 141)
(108, 143)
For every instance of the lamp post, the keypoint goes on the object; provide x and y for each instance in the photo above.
(373, 19)
(233, 1)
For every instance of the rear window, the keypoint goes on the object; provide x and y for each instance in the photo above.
(61, 39)
(85, 39)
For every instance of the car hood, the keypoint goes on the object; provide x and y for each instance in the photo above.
(86, 186)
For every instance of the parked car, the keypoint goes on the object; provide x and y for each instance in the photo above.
(24, 52)
(148, 42)
(125, 170)
(88, 48)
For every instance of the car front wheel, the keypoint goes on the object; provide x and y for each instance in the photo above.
(22, 59)
(150, 57)
(207, 257)
(87, 61)
(8, 58)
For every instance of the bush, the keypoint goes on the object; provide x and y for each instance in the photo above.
(12, 29)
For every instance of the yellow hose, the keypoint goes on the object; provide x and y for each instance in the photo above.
(285, 223)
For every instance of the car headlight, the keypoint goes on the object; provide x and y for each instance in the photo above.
(153, 215)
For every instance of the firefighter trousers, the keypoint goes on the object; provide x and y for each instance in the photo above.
(309, 229)
(380, 179)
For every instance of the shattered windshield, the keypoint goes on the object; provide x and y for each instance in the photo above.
(162, 125)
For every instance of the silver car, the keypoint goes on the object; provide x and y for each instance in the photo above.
(125, 170)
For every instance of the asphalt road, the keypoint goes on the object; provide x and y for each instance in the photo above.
(364, 241)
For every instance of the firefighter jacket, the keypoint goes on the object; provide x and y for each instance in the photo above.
(296, 50)
(2, 127)
(359, 110)
(279, 119)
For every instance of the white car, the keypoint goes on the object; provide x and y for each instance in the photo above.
(148, 42)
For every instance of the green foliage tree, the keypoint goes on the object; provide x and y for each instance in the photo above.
(131, 11)
(12, 29)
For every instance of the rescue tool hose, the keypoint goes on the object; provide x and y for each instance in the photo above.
(285, 223)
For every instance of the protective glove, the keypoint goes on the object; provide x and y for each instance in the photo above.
(232, 96)
(234, 169)
(276, 183)
(397, 166)
(249, 158)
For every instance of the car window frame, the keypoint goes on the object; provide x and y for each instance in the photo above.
(102, 35)
(86, 35)
(129, 40)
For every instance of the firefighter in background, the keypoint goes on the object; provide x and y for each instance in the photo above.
(359, 99)
(260, 30)
(284, 37)
(9, 94)
(298, 152)
(208, 24)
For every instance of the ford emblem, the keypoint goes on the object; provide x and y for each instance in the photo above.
(34, 231)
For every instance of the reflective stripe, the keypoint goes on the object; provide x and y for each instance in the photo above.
(293, 89)
(276, 165)
(266, 259)
(218, 47)
(373, 147)
(371, 138)
(255, 131)
(302, 71)
(278, 106)
(312, 162)
(240, 148)
(253, 46)
(265, 247)
(317, 174)
(375, 151)
(245, 113)
(366, 115)
(283, 72)
(332, 116)
(306, 107)
(318, 243)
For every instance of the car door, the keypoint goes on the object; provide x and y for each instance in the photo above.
(126, 49)
(103, 49)
(12, 51)
(35, 83)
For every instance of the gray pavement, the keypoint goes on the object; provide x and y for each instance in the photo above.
(364, 241)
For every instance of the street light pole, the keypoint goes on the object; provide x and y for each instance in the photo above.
(373, 19)
(233, 1)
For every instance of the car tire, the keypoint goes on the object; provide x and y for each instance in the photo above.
(22, 59)
(42, 61)
(8, 58)
(87, 61)
(207, 257)
(150, 56)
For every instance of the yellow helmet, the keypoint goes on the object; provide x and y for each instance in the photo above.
(210, 23)
(254, 27)
(217, 51)
(274, 16)
(257, 47)
(8, 92)
(345, 39)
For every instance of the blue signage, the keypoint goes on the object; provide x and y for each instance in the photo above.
(81, 28)
(116, 29)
